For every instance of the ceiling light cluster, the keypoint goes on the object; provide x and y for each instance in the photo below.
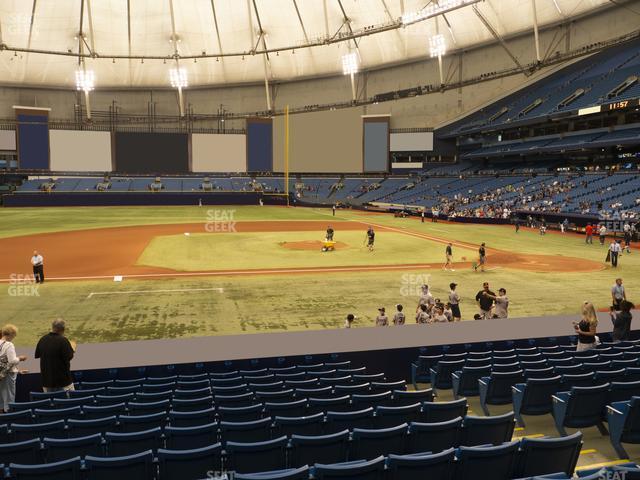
(178, 78)
(350, 63)
(437, 46)
(434, 9)
(85, 80)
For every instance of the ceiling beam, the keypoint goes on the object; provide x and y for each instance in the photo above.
(91, 48)
(215, 24)
(304, 30)
(499, 38)
(347, 21)
(266, 63)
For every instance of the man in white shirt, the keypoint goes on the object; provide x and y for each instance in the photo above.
(38, 267)
(602, 232)
(618, 294)
(614, 250)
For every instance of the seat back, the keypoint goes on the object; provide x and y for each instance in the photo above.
(192, 463)
(190, 438)
(443, 371)
(59, 449)
(537, 395)
(391, 416)
(541, 456)
(26, 452)
(469, 377)
(190, 419)
(65, 470)
(622, 391)
(422, 466)
(402, 397)
(335, 404)
(307, 450)
(499, 460)
(434, 437)
(339, 421)
(371, 400)
(370, 443)
(585, 406)
(137, 423)
(434, 412)
(22, 432)
(499, 390)
(493, 430)
(126, 444)
(246, 432)
(138, 466)
(296, 408)
(356, 470)
(241, 414)
(256, 457)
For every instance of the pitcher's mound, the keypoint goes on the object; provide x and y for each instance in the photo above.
(310, 245)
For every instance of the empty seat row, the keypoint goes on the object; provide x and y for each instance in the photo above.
(284, 459)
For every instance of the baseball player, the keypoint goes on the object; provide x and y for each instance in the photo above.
(626, 229)
(329, 236)
(371, 236)
(38, 267)
(382, 320)
(399, 318)
(454, 301)
(448, 252)
(482, 260)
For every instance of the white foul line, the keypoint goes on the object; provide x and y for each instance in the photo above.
(126, 292)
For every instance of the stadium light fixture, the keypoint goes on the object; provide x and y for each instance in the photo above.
(178, 78)
(85, 80)
(434, 9)
(437, 46)
(350, 66)
(350, 63)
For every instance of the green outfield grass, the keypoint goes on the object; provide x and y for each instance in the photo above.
(229, 251)
(141, 309)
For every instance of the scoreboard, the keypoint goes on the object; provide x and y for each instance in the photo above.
(621, 105)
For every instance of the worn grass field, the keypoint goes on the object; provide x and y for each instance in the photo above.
(100, 311)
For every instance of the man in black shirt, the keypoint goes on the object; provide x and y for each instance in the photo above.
(482, 260)
(55, 352)
(329, 233)
(484, 298)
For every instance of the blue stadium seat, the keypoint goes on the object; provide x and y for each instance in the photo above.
(123, 444)
(86, 392)
(241, 400)
(72, 402)
(339, 421)
(241, 414)
(306, 450)
(534, 397)
(391, 416)
(143, 397)
(421, 466)
(541, 456)
(122, 390)
(47, 395)
(545, 372)
(499, 460)
(55, 429)
(434, 437)
(102, 383)
(623, 419)
(608, 376)
(441, 374)
(356, 388)
(118, 382)
(275, 395)
(58, 449)
(295, 408)
(230, 390)
(577, 380)
(379, 387)
(102, 411)
(334, 380)
(183, 384)
(21, 416)
(306, 383)
(434, 412)
(579, 408)
(161, 380)
(301, 473)
(189, 464)
(465, 382)
(309, 425)
(136, 408)
(354, 470)
(359, 401)
(402, 397)
(272, 385)
(369, 377)
(190, 419)
(621, 391)
(189, 438)
(369, 443)
(137, 423)
(190, 404)
(103, 400)
(421, 369)
(335, 404)
(496, 388)
(487, 430)
(63, 470)
(258, 456)
(139, 466)
(246, 432)
(82, 428)
(20, 406)
(25, 452)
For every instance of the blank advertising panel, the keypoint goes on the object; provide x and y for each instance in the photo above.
(375, 144)
(80, 151)
(152, 153)
(218, 152)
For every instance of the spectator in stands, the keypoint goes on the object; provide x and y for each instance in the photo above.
(622, 322)
(454, 301)
(484, 298)
(8, 351)
(398, 318)
(586, 328)
(602, 232)
(55, 352)
(349, 321)
(423, 315)
(618, 294)
(382, 320)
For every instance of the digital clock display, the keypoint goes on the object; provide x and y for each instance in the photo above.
(622, 104)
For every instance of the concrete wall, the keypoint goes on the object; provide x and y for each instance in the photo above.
(425, 111)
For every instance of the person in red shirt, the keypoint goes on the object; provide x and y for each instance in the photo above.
(589, 234)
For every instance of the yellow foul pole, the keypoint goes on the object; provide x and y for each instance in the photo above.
(286, 152)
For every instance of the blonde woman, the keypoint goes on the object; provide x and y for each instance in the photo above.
(586, 328)
(8, 350)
